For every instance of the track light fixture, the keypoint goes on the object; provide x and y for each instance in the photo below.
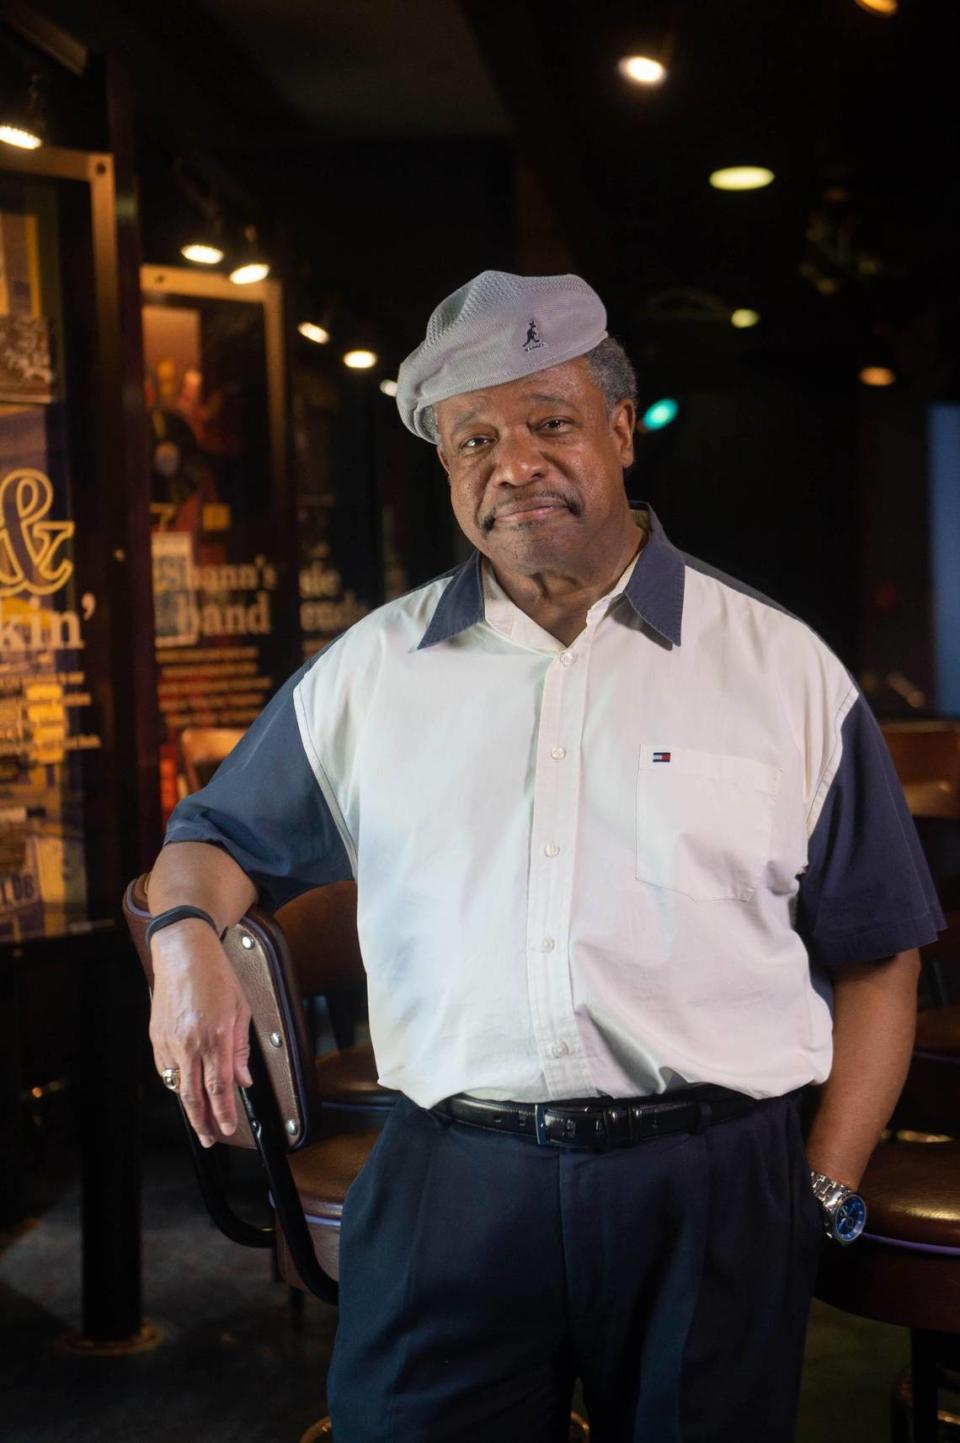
(251, 265)
(24, 126)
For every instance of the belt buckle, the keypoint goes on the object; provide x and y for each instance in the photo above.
(540, 1124)
(573, 1133)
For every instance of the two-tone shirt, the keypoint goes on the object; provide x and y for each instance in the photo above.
(614, 867)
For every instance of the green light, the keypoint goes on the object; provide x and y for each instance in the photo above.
(660, 414)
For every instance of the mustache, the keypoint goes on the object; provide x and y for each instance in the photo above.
(488, 521)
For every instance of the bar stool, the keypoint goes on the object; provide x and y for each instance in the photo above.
(905, 1269)
(930, 1100)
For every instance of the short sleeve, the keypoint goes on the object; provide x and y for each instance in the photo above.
(866, 892)
(265, 808)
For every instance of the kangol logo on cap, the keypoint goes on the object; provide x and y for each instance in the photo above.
(534, 342)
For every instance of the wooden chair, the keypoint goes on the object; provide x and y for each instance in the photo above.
(347, 1078)
(288, 1111)
(905, 1269)
(313, 1120)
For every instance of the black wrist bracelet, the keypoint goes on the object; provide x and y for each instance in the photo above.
(179, 914)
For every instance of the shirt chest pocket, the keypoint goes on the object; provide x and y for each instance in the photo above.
(704, 821)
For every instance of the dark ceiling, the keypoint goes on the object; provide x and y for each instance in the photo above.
(391, 136)
(853, 245)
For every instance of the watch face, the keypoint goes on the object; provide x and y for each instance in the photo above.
(849, 1219)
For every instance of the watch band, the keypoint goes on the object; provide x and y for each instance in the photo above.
(842, 1208)
(828, 1192)
(179, 914)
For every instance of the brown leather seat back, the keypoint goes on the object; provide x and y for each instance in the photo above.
(321, 929)
(258, 951)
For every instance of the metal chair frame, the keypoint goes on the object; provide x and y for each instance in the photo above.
(268, 1132)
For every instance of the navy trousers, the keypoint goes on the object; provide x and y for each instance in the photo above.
(481, 1274)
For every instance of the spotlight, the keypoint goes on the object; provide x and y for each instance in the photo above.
(17, 136)
(880, 7)
(249, 273)
(360, 360)
(877, 376)
(744, 318)
(251, 267)
(741, 177)
(642, 70)
(389, 388)
(319, 335)
(201, 253)
(24, 127)
(660, 414)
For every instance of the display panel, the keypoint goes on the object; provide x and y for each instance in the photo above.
(334, 550)
(50, 723)
(222, 541)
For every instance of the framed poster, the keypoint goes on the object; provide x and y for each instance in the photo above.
(222, 524)
(65, 821)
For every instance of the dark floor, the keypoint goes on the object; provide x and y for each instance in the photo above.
(235, 1362)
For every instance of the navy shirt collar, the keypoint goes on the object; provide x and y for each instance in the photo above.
(655, 591)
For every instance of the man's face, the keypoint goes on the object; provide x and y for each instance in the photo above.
(536, 468)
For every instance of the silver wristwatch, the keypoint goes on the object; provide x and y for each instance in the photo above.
(844, 1211)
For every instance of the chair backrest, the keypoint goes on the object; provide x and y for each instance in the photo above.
(329, 913)
(258, 951)
(203, 749)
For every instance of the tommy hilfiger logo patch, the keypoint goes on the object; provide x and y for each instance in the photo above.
(534, 341)
(661, 756)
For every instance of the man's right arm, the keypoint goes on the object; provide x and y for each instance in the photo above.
(200, 1020)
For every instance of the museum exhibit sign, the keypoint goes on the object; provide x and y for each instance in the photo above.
(66, 664)
(222, 522)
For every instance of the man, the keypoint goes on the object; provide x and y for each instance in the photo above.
(628, 843)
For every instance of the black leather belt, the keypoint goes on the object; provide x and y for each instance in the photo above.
(598, 1123)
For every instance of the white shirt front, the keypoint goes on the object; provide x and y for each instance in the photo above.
(579, 867)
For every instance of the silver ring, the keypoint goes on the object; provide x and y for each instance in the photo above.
(170, 1077)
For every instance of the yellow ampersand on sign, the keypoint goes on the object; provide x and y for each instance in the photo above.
(28, 543)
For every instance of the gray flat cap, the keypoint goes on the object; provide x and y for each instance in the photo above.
(496, 328)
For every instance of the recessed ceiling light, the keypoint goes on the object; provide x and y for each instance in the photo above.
(360, 360)
(880, 7)
(202, 254)
(642, 69)
(877, 376)
(246, 275)
(22, 139)
(744, 318)
(389, 388)
(312, 332)
(741, 177)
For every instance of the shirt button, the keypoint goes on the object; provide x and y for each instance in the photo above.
(551, 850)
(547, 945)
(558, 753)
(566, 659)
(558, 1049)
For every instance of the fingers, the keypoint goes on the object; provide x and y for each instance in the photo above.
(218, 1079)
(200, 1023)
(209, 1067)
(241, 1053)
(194, 1099)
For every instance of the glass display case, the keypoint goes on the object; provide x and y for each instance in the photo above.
(64, 667)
